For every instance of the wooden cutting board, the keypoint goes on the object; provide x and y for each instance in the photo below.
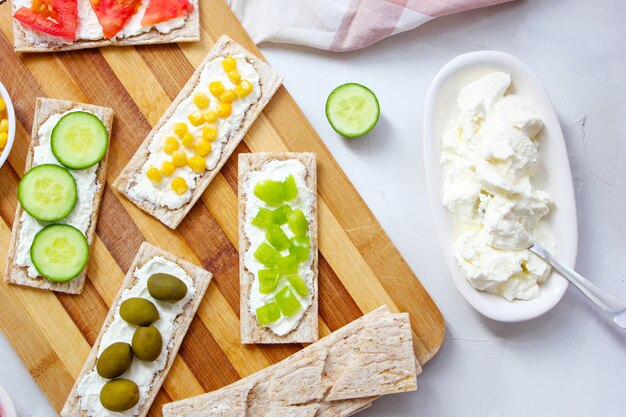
(360, 268)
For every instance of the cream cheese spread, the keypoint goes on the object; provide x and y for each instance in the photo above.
(277, 171)
(490, 152)
(86, 187)
(162, 194)
(142, 373)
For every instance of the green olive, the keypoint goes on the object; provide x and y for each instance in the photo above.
(115, 360)
(147, 343)
(139, 311)
(119, 395)
(166, 287)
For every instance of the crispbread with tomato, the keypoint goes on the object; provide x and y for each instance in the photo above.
(63, 25)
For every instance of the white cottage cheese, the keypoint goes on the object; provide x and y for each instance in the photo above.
(277, 171)
(490, 152)
(140, 372)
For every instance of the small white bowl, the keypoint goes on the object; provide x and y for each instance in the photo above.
(554, 176)
(7, 409)
(11, 116)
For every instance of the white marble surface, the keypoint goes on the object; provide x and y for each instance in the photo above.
(571, 362)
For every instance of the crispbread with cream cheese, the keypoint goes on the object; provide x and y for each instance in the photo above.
(15, 274)
(251, 331)
(391, 370)
(189, 32)
(270, 81)
(201, 280)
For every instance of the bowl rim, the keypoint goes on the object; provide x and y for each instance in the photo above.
(6, 404)
(11, 117)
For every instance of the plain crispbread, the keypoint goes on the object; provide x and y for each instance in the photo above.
(189, 32)
(16, 274)
(201, 280)
(285, 389)
(270, 81)
(307, 329)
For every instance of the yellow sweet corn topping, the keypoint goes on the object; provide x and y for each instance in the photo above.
(170, 145)
(210, 116)
(216, 88)
(202, 147)
(196, 118)
(243, 88)
(179, 185)
(234, 76)
(180, 129)
(154, 175)
(209, 132)
(3, 105)
(4, 137)
(179, 159)
(167, 168)
(229, 63)
(201, 100)
(228, 96)
(187, 140)
(224, 109)
(4, 125)
(197, 164)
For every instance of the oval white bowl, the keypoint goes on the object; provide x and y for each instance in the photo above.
(554, 176)
(11, 116)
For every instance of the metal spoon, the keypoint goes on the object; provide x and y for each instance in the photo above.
(609, 305)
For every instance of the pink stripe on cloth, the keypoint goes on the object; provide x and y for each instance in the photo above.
(436, 8)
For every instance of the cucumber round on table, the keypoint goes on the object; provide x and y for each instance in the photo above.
(59, 252)
(352, 110)
(48, 192)
(79, 140)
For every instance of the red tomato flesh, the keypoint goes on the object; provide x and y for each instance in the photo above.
(114, 14)
(62, 21)
(159, 11)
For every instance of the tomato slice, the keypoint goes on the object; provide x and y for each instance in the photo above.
(61, 21)
(114, 14)
(159, 11)
(44, 8)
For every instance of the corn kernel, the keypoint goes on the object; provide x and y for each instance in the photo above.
(216, 88)
(234, 76)
(167, 168)
(4, 125)
(229, 64)
(3, 105)
(180, 129)
(179, 185)
(209, 132)
(197, 164)
(224, 109)
(202, 147)
(154, 175)
(243, 88)
(228, 96)
(210, 116)
(179, 159)
(4, 137)
(201, 100)
(196, 118)
(170, 145)
(187, 140)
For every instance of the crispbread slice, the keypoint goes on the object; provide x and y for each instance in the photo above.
(15, 274)
(362, 337)
(307, 329)
(201, 280)
(190, 32)
(270, 81)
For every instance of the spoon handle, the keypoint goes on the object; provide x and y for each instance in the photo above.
(609, 305)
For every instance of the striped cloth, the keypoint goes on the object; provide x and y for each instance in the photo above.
(341, 25)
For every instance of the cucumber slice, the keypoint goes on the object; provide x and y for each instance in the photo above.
(59, 252)
(48, 193)
(352, 110)
(79, 140)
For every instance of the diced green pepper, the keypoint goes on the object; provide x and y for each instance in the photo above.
(298, 222)
(300, 247)
(281, 214)
(268, 278)
(270, 191)
(268, 313)
(290, 189)
(298, 284)
(287, 265)
(287, 302)
(264, 218)
(266, 255)
(277, 238)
